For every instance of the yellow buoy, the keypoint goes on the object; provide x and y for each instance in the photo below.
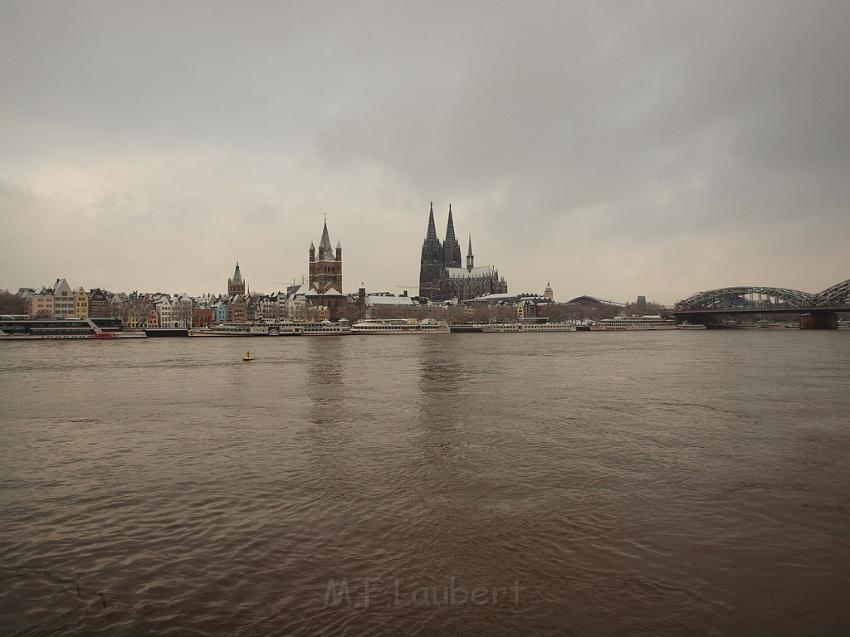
(247, 356)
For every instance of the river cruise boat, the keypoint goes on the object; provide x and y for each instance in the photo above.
(249, 329)
(690, 326)
(326, 328)
(399, 326)
(467, 328)
(24, 329)
(517, 328)
(624, 323)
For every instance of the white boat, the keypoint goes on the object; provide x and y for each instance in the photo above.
(326, 328)
(249, 329)
(690, 326)
(399, 326)
(625, 323)
(509, 328)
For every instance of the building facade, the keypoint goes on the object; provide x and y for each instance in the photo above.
(81, 303)
(63, 299)
(441, 274)
(99, 305)
(41, 304)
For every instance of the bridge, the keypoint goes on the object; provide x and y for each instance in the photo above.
(817, 311)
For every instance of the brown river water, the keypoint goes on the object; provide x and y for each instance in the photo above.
(664, 483)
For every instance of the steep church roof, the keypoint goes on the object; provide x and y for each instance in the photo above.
(432, 228)
(450, 228)
(325, 243)
(237, 275)
(480, 272)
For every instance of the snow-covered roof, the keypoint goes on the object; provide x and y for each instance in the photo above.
(388, 300)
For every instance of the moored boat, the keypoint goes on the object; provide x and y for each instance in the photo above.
(249, 329)
(399, 326)
(26, 329)
(512, 328)
(625, 323)
(326, 328)
(690, 326)
(467, 328)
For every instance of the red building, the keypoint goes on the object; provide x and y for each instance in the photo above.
(202, 317)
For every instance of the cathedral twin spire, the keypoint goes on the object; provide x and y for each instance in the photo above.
(448, 251)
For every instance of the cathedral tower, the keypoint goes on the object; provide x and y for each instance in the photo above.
(451, 248)
(431, 264)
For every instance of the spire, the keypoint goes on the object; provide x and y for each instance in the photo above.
(237, 275)
(450, 228)
(469, 252)
(325, 243)
(470, 260)
(432, 229)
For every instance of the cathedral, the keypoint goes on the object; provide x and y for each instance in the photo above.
(325, 283)
(441, 274)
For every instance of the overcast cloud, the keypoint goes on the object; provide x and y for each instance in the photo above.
(616, 149)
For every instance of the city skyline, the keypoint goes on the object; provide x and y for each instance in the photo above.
(614, 151)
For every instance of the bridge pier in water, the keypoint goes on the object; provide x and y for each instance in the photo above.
(819, 321)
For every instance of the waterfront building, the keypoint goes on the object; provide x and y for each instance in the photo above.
(163, 310)
(235, 284)
(117, 303)
(267, 308)
(386, 304)
(236, 310)
(63, 299)
(441, 274)
(81, 303)
(41, 304)
(152, 321)
(220, 311)
(325, 275)
(99, 305)
(202, 317)
(181, 311)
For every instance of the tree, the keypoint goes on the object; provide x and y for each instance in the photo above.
(12, 303)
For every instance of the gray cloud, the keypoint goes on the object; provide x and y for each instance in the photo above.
(614, 148)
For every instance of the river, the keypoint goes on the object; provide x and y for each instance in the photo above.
(551, 484)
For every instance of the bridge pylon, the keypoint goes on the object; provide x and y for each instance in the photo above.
(819, 321)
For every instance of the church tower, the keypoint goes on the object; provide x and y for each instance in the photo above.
(470, 260)
(326, 275)
(236, 285)
(431, 264)
(326, 267)
(451, 248)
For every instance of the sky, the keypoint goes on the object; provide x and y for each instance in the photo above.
(613, 148)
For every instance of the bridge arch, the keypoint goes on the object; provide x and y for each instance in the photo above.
(747, 298)
(836, 295)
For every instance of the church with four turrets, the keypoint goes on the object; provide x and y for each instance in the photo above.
(442, 276)
(325, 284)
